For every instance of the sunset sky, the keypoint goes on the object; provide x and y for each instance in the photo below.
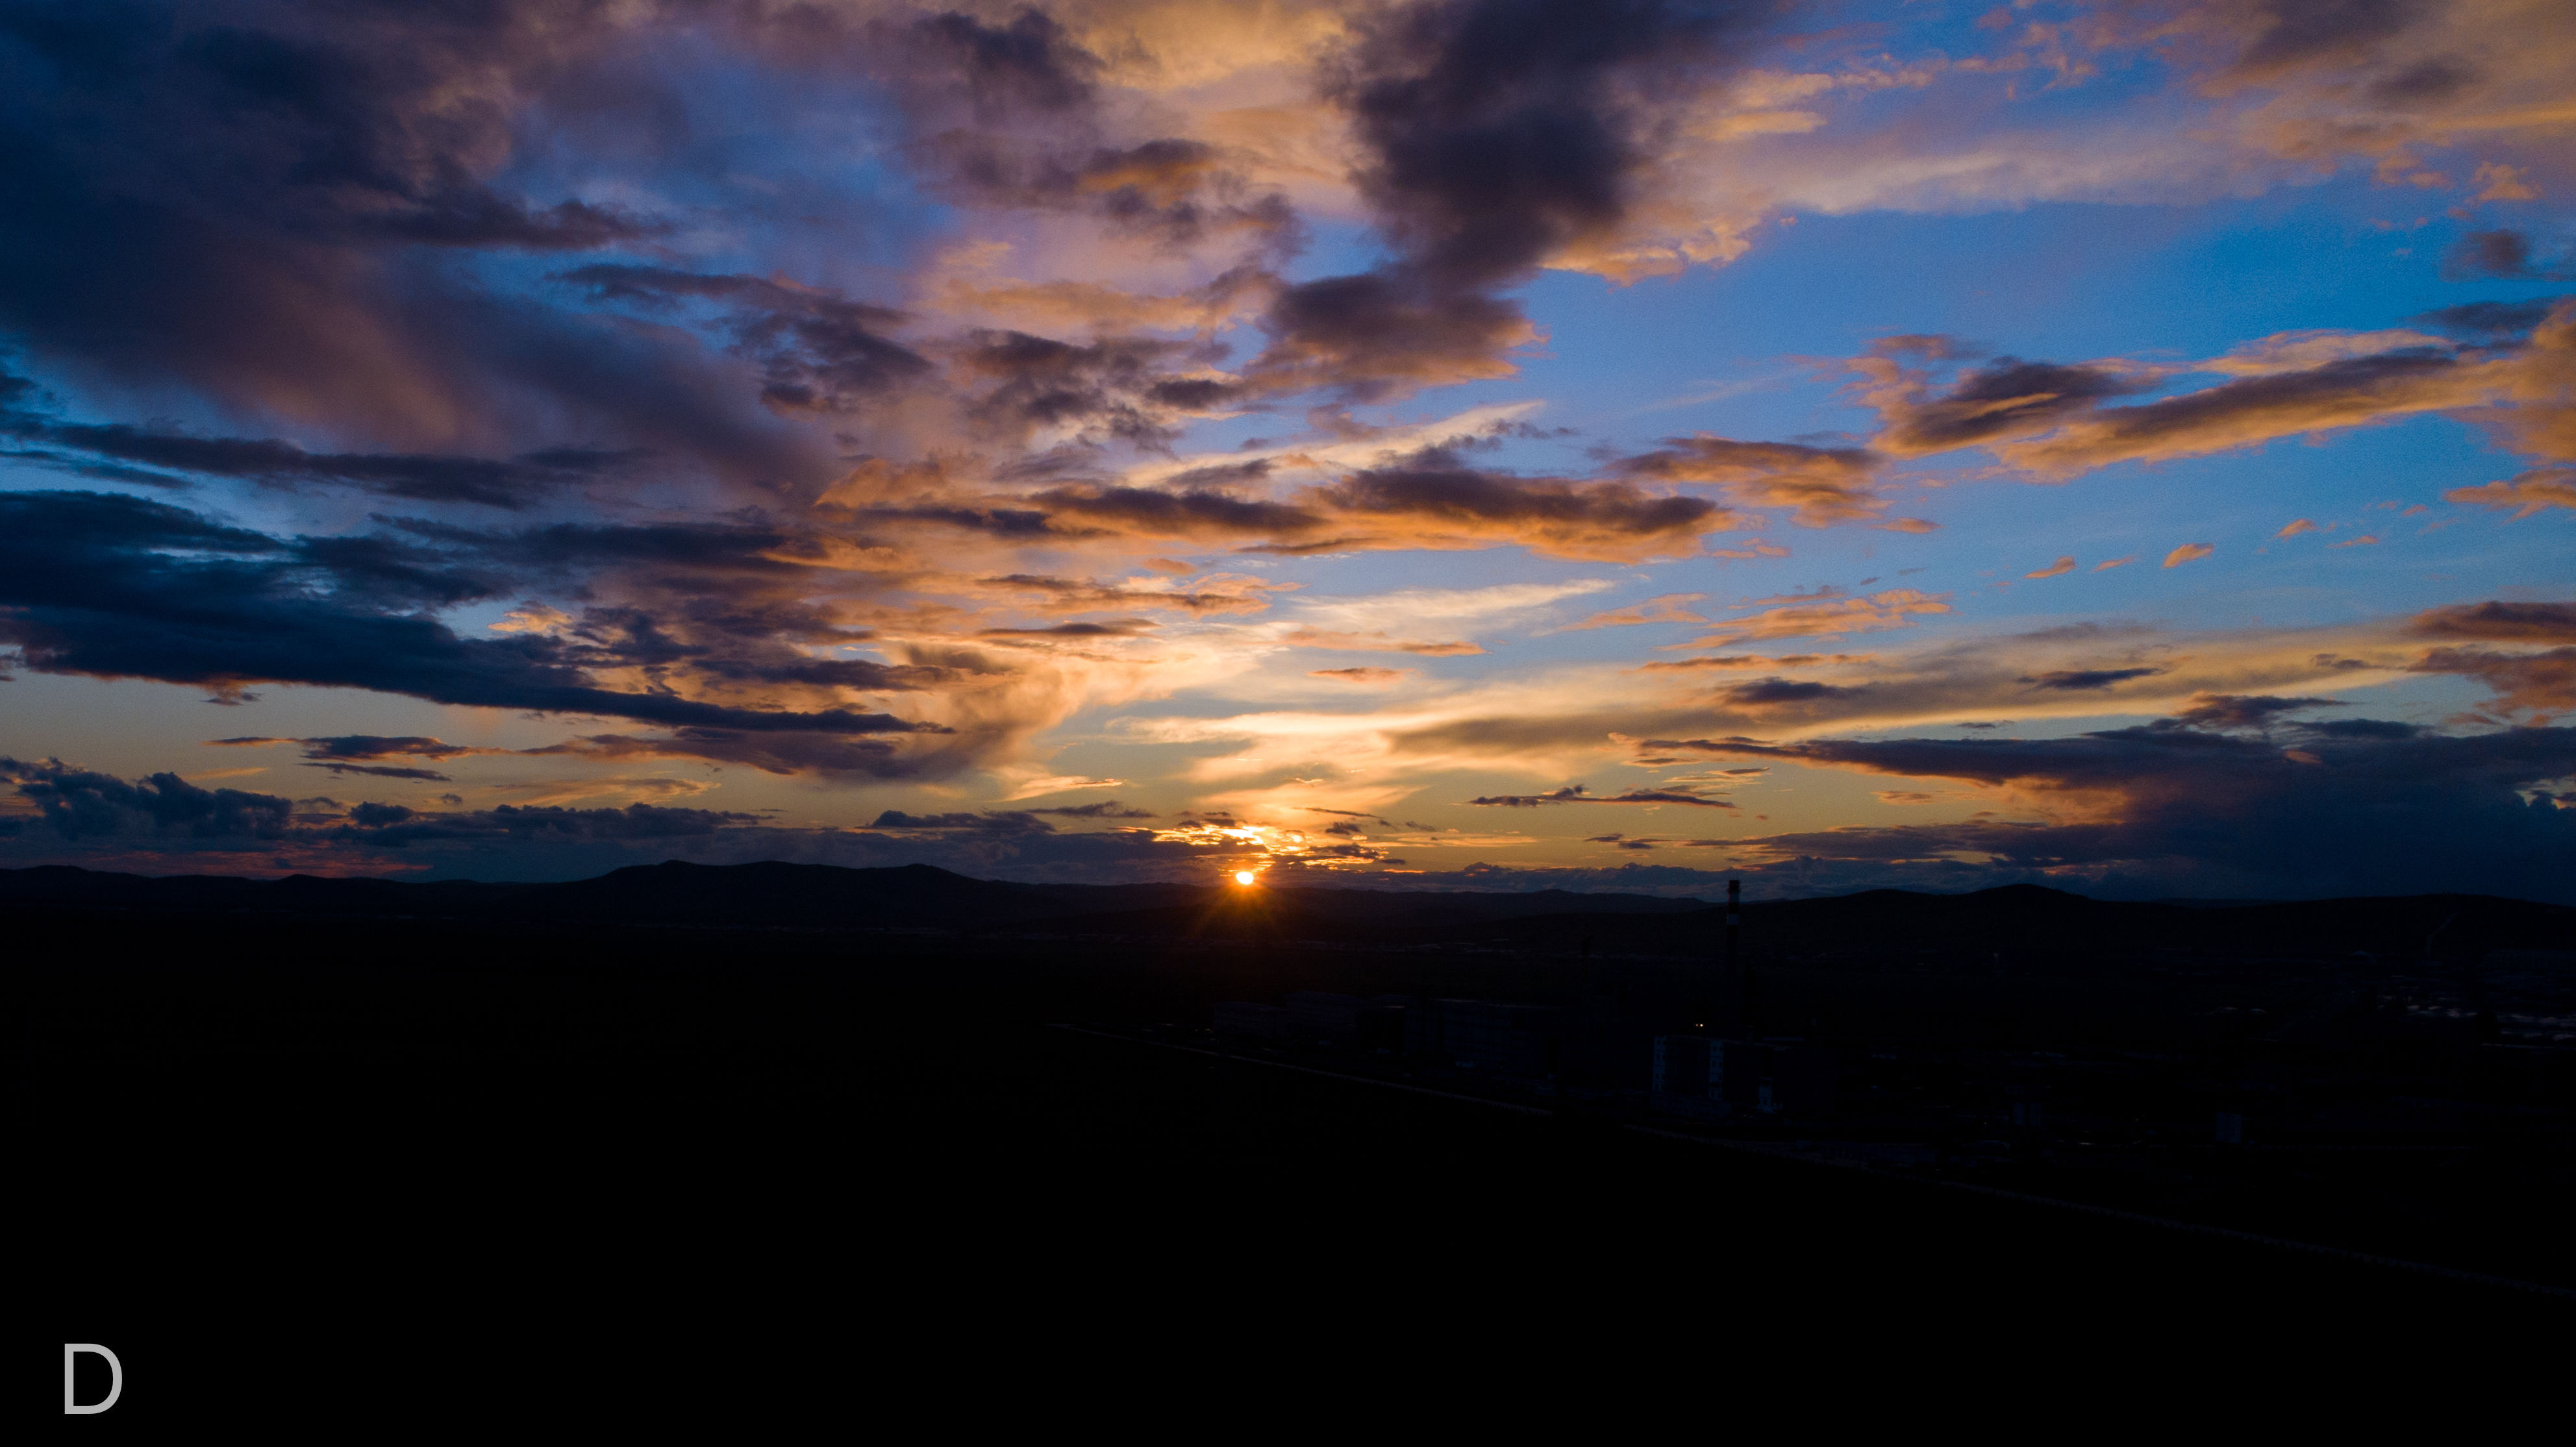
(1493, 444)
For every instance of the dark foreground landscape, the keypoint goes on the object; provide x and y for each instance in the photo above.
(771, 1136)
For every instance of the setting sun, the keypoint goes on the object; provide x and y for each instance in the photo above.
(1245, 876)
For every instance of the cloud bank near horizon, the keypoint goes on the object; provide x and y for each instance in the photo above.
(729, 427)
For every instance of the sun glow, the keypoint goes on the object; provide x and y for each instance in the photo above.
(1245, 876)
(1266, 845)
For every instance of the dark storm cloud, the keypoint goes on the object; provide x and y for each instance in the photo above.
(1434, 495)
(1578, 794)
(365, 746)
(865, 675)
(348, 753)
(2085, 680)
(320, 125)
(77, 802)
(2502, 256)
(2488, 321)
(1497, 133)
(1192, 512)
(85, 587)
(704, 551)
(1826, 485)
(1176, 192)
(1017, 523)
(1780, 691)
(2435, 79)
(817, 350)
(282, 208)
(2500, 621)
(1385, 334)
(2363, 728)
(721, 605)
(1431, 499)
(1007, 821)
(386, 771)
(2006, 397)
(2532, 687)
(393, 826)
(1018, 384)
(90, 467)
(2283, 34)
(1105, 809)
(1006, 114)
(2183, 810)
(1027, 66)
(1501, 131)
(2251, 409)
(786, 751)
(2528, 687)
(1124, 628)
(2051, 419)
(1084, 595)
(164, 823)
(512, 483)
(2245, 711)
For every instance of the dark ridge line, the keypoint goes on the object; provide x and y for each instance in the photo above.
(2230, 1233)
(1539, 1110)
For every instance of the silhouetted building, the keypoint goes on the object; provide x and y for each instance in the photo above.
(1239, 1017)
(2029, 1114)
(1346, 1021)
(1689, 1070)
(1806, 1078)
(1484, 1035)
(1878, 1153)
(1697, 1075)
(1382, 1023)
(1324, 1017)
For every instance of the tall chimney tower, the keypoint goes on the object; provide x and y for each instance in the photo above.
(1730, 976)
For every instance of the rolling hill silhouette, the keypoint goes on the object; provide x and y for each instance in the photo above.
(2020, 919)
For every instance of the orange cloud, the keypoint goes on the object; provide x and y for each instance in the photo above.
(1826, 485)
(2186, 553)
(2530, 688)
(2502, 183)
(2055, 420)
(2497, 620)
(2530, 493)
(1895, 608)
(1437, 503)
(2062, 565)
(1374, 643)
(1751, 660)
(1216, 593)
(1666, 609)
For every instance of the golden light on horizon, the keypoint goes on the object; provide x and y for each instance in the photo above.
(1269, 843)
(1245, 876)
